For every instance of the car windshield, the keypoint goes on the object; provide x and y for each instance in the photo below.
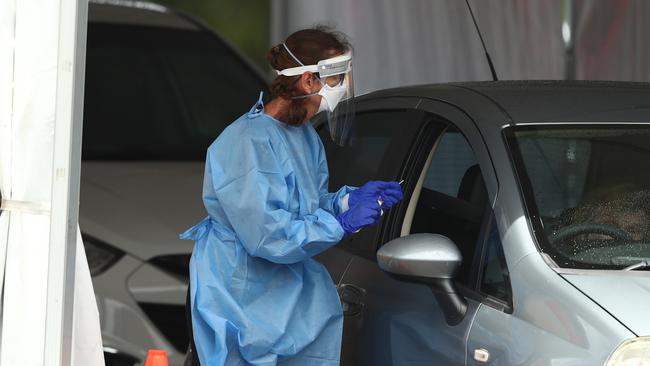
(155, 93)
(587, 191)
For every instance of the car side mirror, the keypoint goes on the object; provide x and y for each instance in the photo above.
(431, 259)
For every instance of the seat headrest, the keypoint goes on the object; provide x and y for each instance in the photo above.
(472, 187)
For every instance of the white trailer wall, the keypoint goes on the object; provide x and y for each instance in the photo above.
(49, 316)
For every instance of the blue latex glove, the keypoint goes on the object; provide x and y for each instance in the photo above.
(371, 189)
(389, 193)
(364, 213)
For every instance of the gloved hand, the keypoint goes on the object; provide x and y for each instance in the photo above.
(365, 213)
(389, 193)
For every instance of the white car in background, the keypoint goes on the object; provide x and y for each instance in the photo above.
(160, 87)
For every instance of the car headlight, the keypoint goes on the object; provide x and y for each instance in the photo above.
(100, 255)
(633, 352)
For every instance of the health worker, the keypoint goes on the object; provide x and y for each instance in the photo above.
(257, 296)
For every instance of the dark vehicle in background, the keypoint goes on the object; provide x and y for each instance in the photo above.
(524, 235)
(160, 87)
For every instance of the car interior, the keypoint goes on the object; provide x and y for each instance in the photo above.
(596, 217)
(457, 212)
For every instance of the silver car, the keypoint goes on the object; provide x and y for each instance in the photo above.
(524, 236)
(159, 87)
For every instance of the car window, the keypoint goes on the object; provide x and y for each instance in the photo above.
(156, 93)
(377, 152)
(382, 139)
(453, 199)
(453, 157)
(495, 279)
(587, 191)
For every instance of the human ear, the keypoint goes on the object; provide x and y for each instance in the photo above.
(305, 83)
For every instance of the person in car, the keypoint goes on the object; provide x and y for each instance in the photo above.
(623, 207)
(257, 295)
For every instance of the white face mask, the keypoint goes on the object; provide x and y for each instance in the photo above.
(331, 96)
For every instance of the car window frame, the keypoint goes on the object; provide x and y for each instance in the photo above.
(432, 145)
(412, 167)
(462, 121)
(479, 266)
(473, 291)
(468, 127)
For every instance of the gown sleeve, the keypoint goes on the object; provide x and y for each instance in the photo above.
(256, 204)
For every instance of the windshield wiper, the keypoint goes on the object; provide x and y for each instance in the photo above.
(640, 265)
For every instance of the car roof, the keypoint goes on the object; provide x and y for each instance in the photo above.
(143, 13)
(550, 101)
(151, 14)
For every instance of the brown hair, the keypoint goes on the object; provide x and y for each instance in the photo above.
(309, 46)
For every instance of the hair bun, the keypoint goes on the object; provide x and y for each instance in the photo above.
(273, 55)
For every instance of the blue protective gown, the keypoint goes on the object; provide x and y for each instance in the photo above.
(257, 296)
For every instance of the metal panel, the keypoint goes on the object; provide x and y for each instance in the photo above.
(552, 323)
(400, 323)
(623, 294)
(73, 16)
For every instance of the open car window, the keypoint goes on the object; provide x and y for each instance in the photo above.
(587, 191)
(453, 199)
(381, 141)
(378, 151)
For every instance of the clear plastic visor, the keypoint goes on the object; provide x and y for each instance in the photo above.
(341, 119)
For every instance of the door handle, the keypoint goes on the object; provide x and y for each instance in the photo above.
(352, 299)
(481, 355)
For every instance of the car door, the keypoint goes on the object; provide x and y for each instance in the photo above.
(400, 323)
(385, 132)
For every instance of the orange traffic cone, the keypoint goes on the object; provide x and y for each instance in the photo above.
(156, 357)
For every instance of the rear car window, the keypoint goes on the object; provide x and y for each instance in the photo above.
(155, 93)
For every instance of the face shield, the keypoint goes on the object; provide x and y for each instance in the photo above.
(337, 92)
